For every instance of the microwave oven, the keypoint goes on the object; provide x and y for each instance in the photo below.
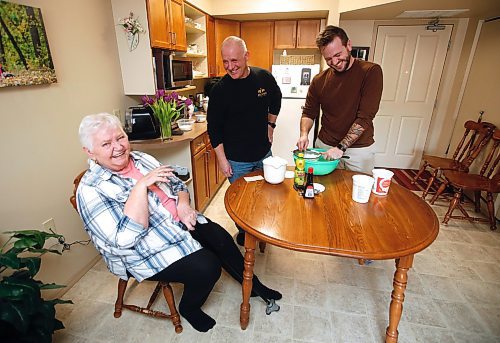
(171, 71)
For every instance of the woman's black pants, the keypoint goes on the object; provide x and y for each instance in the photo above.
(200, 271)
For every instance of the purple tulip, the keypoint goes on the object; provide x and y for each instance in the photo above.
(169, 97)
(188, 102)
(160, 93)
(146, 100)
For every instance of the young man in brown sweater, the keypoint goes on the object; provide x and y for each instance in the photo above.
(348, 94)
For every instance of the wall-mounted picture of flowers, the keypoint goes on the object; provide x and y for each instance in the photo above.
(24, 50)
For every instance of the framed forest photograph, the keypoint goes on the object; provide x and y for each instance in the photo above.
(24, 49)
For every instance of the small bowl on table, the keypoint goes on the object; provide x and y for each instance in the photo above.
(200, 118)
(185, 124)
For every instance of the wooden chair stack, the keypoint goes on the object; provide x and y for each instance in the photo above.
(475, 138)
(122, 286)
(488, 180)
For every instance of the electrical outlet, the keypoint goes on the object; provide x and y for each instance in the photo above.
(117, 113)
(49, 225)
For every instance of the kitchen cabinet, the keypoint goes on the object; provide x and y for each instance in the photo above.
(166, 24)
(211, 46)
(212, 167)
(201, 192)
(207, 178)
(223, 29)
(296, 34)
(177, 26)
(285, 34)
(258, 36)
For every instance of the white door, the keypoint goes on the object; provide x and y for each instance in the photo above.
(412, 60)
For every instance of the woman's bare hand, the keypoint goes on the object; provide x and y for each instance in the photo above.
(187, 215)
(160, 174)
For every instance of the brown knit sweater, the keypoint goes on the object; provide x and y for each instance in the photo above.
(345, 98)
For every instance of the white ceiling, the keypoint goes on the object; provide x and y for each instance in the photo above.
(481, 9)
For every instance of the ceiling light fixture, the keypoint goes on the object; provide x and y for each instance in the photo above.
(435, 26)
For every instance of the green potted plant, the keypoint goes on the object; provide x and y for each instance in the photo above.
(24, 315)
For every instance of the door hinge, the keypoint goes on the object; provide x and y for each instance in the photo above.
(449, 45)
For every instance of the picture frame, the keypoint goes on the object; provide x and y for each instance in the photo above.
(25, 57)
(360, 52)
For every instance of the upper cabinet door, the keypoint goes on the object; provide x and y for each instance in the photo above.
(258, 36)
(177, 25)
(307, 30)
(285, 33)
(223, 29)
(158, 25)
(211, 46)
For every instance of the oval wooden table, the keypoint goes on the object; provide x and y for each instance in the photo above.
(395, 226)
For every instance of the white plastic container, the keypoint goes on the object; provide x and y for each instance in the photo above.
(361, 188)
(274, 169)
(382, 182)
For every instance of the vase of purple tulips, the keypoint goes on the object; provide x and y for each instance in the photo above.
(167, 108)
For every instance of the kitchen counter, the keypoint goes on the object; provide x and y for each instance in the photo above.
(187, 136)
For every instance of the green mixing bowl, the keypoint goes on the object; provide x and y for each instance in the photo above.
(320, 165)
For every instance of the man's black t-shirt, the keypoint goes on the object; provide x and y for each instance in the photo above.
(237, 114)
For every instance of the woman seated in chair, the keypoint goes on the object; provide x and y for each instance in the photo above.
(139, 217)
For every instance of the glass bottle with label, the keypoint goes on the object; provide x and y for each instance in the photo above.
(309, 185)
(300, 173)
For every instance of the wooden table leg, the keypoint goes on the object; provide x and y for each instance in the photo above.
(403, 264)
(250, 243)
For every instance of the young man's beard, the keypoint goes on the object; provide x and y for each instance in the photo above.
(347, 60)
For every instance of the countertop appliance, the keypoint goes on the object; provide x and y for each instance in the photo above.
(294, 81)
(140, 123)
(172, 72)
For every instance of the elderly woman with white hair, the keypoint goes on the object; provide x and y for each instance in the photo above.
(139, 217)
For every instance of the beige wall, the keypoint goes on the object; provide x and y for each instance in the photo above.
(351, 5)
(482, 89)
(360, 33)
(39, 143)
(223, 7)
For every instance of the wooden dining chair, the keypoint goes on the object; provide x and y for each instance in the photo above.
(122, 287)
(488, 180)
(475, 138)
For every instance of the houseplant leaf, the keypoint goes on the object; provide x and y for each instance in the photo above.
(10, 260)
(32, 263)
(14, 314)
(24, 315)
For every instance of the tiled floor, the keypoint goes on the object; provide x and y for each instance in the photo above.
(453, 296)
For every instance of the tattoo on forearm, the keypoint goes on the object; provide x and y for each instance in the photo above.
(352, 135)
